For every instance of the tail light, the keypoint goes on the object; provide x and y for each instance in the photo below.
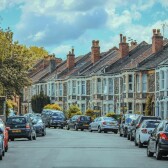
(163, 136)
(144, 131)
(104, 123)
(27, 126)
(7, 128)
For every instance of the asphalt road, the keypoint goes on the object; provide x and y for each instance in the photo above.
(78, 149)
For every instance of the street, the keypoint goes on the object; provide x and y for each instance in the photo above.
(78, 149)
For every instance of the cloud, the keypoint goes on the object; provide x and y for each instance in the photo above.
(57, 26)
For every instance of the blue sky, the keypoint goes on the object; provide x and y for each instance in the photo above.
(57, 25)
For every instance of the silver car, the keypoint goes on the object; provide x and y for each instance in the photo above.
(104, 124)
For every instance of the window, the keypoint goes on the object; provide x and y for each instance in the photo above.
(69, 87)
(162, 110)
(73, 87)
(124, 83)
(105, 86)
(110, 86)
(78, 83)
(130, 107)
(137, 83)
(99, 86)
(110, 108)
(52, 90)
(83, 87)
(144, 83)
(60, 89)
(83, 108)
(162, 79)
(130, 80)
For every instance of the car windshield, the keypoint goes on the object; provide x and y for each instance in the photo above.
(151, 124)
(19, 120)
(109, 119)
(84, 118)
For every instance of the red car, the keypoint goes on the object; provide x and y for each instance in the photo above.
(5, 132)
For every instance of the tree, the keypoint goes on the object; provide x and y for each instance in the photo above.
(15, 61)
(148, 107)
(39, 101)
(73, 110)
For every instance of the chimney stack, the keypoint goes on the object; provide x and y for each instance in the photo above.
(157, 41)
(95, 55)
(123, 46)
(71, 59)
(52, 63)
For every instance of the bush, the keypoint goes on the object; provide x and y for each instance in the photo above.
(53, 107)
(91, 113)
(73, 110)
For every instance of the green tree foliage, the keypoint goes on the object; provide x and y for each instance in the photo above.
(39, 101)
(15, 61)
(148, 107)
(73, 110)
(53, 107)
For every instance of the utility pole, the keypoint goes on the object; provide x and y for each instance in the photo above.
(164, 25)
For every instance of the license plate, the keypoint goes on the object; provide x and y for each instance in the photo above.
(16, 130)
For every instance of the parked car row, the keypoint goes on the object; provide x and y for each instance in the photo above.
(146, 130)
(28, 126)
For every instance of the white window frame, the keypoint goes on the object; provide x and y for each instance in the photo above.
(83, 87)
(73, 87)
(137, 83)
(162, 80)
(130, 83)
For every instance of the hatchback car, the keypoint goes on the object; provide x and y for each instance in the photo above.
(79, 122)
(158, 141)
(138, 123)
(144, 131)
(105, 124)
(20, 127)
(39, 126)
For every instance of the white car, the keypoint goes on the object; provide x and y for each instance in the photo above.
(144, 131)
(105, 124)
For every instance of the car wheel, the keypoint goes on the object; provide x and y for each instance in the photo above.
(55, 127)
(34, 137)
(105, 131)
(99, 129)
(67, 127)
(128, 136)
(3, 153)
(0, 157)
(149, 154)
(158, 153)
(115, 132)
(125, 133)
(30, 138)
(140, 144)
(135, 142)
(76, 128)
(6, 148)
(131, 138)
(12, 139)
(81, 129)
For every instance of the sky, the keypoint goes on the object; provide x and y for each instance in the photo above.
(59, 25)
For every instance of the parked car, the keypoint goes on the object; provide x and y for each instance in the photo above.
(105, 124)
(2, 149)
(144, 131)
(45, 115)
(125, 123)
(137, 124)
(20, 127)
(158, 141)
(39, 126)
(5, 134)
(57, 119)
(79, 122)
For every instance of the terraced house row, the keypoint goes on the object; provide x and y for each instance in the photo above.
(119, 80)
